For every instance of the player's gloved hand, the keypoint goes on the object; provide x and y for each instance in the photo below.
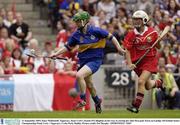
(132, 66)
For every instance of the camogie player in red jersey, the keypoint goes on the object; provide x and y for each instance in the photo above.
(136, 43)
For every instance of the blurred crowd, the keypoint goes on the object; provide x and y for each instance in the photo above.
(16, 41)
(112, 15)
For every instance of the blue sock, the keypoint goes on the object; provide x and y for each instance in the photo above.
(95, 99)
(83, 96)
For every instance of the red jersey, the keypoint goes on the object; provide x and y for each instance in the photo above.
(61, 38)
(137, 43)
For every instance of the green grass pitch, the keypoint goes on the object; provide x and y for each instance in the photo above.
(122, 113)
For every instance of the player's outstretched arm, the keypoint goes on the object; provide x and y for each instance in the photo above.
(116, 43)
(129, 62)
(59, 51)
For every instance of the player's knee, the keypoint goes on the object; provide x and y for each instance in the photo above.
(90, 85)
(141, 82)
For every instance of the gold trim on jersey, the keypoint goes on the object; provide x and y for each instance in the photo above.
(100, 44)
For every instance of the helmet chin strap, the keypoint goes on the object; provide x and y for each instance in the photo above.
(82, 22)
(138, 27)
(83, 25)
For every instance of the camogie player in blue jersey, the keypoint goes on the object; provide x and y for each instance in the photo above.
(91, 41)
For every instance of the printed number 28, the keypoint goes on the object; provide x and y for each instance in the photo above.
(120, 79)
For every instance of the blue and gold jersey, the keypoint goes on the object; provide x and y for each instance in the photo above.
(91, 44)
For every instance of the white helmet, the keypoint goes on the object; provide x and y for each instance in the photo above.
(141, 14)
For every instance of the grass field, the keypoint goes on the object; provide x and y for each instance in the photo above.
(92, 114)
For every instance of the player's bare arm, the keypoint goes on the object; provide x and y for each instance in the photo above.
(129, 62)
(59, 51)
(116, 43)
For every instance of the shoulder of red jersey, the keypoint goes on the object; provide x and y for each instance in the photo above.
(128, 40)
(151, 29)
(130, 34)
(62, 31)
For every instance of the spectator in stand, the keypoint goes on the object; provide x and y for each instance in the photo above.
(1, 22)
(93, 5)
(166, 54)
(172, 38)
(99, 18)
(122, 17)
(157, 17)
(53, 14)
(52, 67)
(47, 48)
(171, 91)
(176, 32)
(42, 69)
(16, 59)
(74, 7)
(117, 32)
(34, 44)
(67, 8)
(9, 20)
(145, 5)
(163, 4)
(10, 45)
(161, 62)
(177, 72)
(177, 2)
(30, 67)
(129, 24)
(89, 6)
(108, 6)
(68, 68)
(3, 13)
(6, 63)
(20, 31)
(62, 36)
(1, 70)
(2, 44)
(24, 59)
(129, 7)
(61, 40)
(69, 5)
(172, 8)
(166, 21)
(6, 42)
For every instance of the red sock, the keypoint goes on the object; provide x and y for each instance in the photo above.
(137, 102)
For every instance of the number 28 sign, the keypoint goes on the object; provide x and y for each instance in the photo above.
(117, 77)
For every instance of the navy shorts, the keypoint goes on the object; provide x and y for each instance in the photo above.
(93, 65)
